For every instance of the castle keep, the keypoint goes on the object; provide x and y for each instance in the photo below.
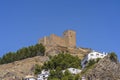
(67, 40)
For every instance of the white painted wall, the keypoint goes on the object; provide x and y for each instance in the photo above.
(44, 75)
(73, 70)
(92, 55)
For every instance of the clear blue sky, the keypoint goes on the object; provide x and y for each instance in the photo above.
(23, 22)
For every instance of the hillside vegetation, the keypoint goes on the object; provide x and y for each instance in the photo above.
(23, 53)
(58, 63)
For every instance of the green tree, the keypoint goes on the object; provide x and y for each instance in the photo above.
(37, 69)
(23, 53)
(63, 61)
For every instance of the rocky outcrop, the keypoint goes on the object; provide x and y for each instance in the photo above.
(105, 69)
(19, 69)
(80, 52)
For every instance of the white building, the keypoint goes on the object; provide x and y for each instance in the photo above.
(29, 77)
(73, 71)
(83, 78)
(44, 75)
(92, 55)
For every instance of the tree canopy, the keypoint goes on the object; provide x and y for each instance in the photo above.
(23, 53)
(61, 62)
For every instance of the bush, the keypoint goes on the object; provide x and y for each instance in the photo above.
(98, 59)
(113, 57)
(37, 69)
(91, 62)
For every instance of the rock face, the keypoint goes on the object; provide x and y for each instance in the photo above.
(80, 52)
(105, 69)
(19, 69)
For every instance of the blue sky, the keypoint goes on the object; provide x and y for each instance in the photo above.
(23, 22)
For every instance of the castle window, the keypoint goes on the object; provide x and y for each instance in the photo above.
(91, 54)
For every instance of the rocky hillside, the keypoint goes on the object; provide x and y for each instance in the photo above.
(80, 52)
(19, 69)
(105, 69)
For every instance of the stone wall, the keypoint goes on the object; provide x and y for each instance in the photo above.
(56, 41)
(67, 40)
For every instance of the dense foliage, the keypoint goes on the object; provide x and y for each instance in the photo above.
(61, 62)
(23, 53)
(59, 75)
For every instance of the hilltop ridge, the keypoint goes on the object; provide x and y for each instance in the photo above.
(65, 44)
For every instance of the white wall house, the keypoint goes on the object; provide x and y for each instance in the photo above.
(29, 77)
(73, 71)
(92, 55)
(44, 75)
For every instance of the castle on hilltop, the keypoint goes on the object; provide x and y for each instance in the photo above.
(67, 40)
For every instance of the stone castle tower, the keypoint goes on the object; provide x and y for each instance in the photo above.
(70, 38)
(67, 40)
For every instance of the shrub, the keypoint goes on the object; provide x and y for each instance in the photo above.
(91, 62)
(37, 69)
(113, 57)
(98, 59)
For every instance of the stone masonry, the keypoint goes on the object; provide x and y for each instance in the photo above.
(67, 40)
